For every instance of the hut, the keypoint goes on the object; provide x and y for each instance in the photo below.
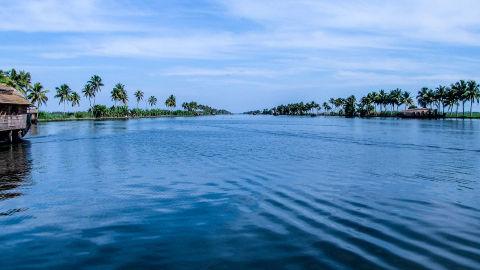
(14, 114)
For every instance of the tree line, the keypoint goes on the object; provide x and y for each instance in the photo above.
(37, 95)
(441, 100)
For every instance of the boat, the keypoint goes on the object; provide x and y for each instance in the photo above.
(16, 114)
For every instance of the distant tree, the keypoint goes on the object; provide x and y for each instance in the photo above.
(171, 102)
(63, 94)
(37, 95)
(89, 92)
(349, 107)
(119, 94)
(460, 89)
(74, 99)
(138, 96)
(152, 101)
(96, 83)
(472, 94)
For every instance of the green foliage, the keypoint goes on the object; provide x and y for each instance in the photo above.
(349, 106)
(99, 111)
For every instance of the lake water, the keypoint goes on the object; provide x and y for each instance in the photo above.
(243, 192)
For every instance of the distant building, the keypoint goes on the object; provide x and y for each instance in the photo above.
(15, 118)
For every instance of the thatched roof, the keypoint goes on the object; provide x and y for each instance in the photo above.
(10, 95)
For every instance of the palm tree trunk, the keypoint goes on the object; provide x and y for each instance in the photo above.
(471, 105)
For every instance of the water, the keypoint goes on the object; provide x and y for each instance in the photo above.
(243, 192)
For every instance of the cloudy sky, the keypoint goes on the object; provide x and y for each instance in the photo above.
(242, 54)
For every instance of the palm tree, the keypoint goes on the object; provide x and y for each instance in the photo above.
(460, 88)
(440, 97)
(89, 92)
(139, 96)
(407, 100)
(152, 101)
(382, 99)
(63, 93)
(96, 82)
(395, 98)
(75, 99)
(472, 94)
(20, 80)
(171, 102)
(326, 107)
(119, 94)
(37, 95)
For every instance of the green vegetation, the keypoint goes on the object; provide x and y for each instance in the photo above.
(442, 101)
(38, 97)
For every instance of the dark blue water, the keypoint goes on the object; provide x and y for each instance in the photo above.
(243, 192)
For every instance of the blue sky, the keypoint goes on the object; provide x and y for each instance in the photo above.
(244, 54)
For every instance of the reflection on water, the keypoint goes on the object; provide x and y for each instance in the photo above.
(14, 171)
(243, 192)
(14, 168)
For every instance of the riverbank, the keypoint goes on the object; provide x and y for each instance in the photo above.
(475, 115)
(101, 112)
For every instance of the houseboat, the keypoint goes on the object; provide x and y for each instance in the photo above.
(422, 113)
(15, 114)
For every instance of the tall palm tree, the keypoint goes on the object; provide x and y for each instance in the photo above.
(89, 92)
(472, 94)
(440, 97)
(139, 96)
(37, 95)
(152, 101)
(425, 97)
(395, 97)
(74, 99)
(383, 99)
(96, 82)
(119, 94)
(63, 94)
(407, 100)
(171, 102)
(460, 88)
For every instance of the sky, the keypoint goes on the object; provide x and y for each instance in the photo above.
(242, 54)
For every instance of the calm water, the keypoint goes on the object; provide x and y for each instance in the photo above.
(243, 192)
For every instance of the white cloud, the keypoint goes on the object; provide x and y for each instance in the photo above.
(65, 16)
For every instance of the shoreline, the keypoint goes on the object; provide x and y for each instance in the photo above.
(116, 118)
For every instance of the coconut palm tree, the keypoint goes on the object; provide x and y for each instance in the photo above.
(89, 92)
(63, 94)
(460, 88)
(119, 94)
(37, 95)
(440, 97)
(472, 94)
(407, 100)
(20, 80)
(395, 98)
(425, 97)
(74, 99)
(382, 99)
(152, 101)
(326, 107)
(171, 102)
(96, 82)
(139, 96)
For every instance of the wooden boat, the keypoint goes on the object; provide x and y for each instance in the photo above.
(15, 114)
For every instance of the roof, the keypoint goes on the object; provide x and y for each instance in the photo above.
(10, 95)
(417, 110)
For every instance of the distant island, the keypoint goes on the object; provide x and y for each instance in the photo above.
(443, 101)
(37, 95)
